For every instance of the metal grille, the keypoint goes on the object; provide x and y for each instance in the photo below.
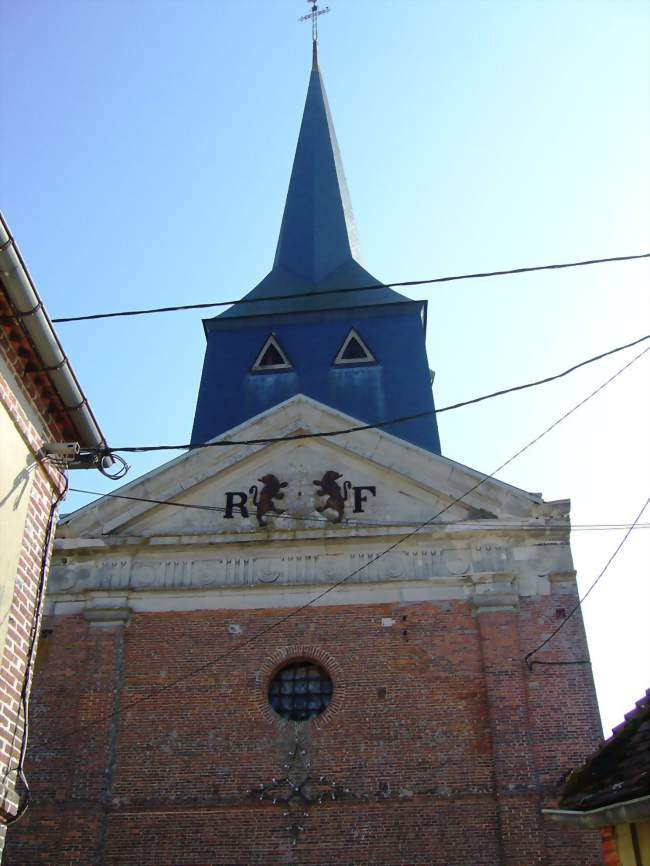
(300, 691)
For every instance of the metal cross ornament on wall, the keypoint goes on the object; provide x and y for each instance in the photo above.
(313, 17)
(298, 790)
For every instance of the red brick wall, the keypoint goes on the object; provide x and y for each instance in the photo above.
(446, 745)
(22, 360)
(610, 847)
(46, 483)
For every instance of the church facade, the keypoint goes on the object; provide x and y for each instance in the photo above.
(305, 643)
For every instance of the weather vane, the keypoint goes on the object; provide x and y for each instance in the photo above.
(313, 16)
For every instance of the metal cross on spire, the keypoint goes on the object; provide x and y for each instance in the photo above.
(313, 16)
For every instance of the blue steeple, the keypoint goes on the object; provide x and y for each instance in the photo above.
(318, 232)
(318, 247)
(361, 352)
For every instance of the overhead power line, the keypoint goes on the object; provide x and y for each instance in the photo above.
(543, 381)
(482, 524)
(527, 658)
(297, 610)
(367, 288)
(221, 443)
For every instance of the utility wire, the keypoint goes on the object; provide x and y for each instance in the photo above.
(318, 435)
(292, 613)
(543, 381)
(367, 288)
(138, 449)
(483, 524)
(528, 656)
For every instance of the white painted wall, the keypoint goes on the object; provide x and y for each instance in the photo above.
(16, 478)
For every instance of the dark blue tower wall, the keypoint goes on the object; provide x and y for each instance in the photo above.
(397, 384)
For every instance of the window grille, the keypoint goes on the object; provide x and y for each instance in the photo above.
(300, 691)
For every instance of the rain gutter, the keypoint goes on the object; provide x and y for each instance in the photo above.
(627, 812)
(37, 327)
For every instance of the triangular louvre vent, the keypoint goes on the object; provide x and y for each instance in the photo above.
(354, 351)
(272, 357)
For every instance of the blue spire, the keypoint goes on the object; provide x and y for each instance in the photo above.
(318, 232)
(318, 252)
(318, 248)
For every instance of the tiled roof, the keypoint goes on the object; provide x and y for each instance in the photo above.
(619, 770)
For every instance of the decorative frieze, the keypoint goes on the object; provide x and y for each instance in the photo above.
(144, 572)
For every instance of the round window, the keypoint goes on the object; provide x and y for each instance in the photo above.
(300, 691)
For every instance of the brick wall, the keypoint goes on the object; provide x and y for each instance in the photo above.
(439, 746)
(18, 397)
(34, 384)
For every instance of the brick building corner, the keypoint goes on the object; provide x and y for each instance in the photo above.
(40, 403)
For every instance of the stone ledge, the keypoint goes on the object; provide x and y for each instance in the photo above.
(497, 601)
(107, 617)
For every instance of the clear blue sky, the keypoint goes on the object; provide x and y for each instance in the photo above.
(146, 151)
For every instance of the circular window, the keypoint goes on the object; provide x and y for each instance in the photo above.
(300, 691)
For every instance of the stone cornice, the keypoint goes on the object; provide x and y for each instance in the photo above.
(89, 565)
(557, 532)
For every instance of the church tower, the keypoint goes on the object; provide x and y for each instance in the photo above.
(304, 643)
(319, 324)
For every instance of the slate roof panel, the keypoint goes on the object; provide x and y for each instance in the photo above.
(619, 770)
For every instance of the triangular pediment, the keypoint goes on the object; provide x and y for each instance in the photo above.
(366, 481)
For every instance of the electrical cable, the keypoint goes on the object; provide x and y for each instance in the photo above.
(543, 381)
(482, 525)
(119, 473)
(401, 540)
(379, 424)
(24, 693)
(367, 288)
(527, 658)
(140, 449)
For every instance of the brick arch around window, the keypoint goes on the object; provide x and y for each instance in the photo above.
(296, 653)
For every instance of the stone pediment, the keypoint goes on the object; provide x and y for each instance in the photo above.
(269, 520)
(354, 481)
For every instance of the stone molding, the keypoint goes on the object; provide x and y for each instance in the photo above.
(497, 592)
(107, 611)
(182, 570)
